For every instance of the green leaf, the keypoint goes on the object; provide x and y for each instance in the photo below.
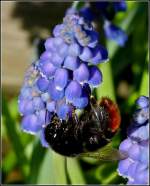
(74, 171)
(107, 173)
(37, 156)
(13, 104)
(52, 170)
(9, 162)
(14, 137)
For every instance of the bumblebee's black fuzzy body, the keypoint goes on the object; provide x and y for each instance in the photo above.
(72, 136)
(62, 138)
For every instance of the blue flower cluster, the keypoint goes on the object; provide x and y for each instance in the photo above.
(62, 79)
(106, 10)
(136, 166)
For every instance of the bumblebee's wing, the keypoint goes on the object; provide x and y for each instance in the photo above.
(107, 153)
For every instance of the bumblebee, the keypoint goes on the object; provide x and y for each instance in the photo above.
(91, 131)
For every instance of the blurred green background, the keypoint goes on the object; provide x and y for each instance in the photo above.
(125, 77)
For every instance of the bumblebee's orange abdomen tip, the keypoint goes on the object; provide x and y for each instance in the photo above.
(114, 113)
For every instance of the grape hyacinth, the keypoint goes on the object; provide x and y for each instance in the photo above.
(106, 10)
(62, 79)
(136, 166)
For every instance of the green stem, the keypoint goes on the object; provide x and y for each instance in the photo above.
(144, 88)
(107, 86)
(66, 171)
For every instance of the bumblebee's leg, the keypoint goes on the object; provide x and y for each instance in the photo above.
(93, 105)
(74, 116)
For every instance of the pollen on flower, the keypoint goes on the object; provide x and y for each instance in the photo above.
(93, 11)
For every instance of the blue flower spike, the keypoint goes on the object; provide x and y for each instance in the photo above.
(115, 33)
(136, 167)
(120, 6)
(61, 80)
(106, 10)
(142, 102)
